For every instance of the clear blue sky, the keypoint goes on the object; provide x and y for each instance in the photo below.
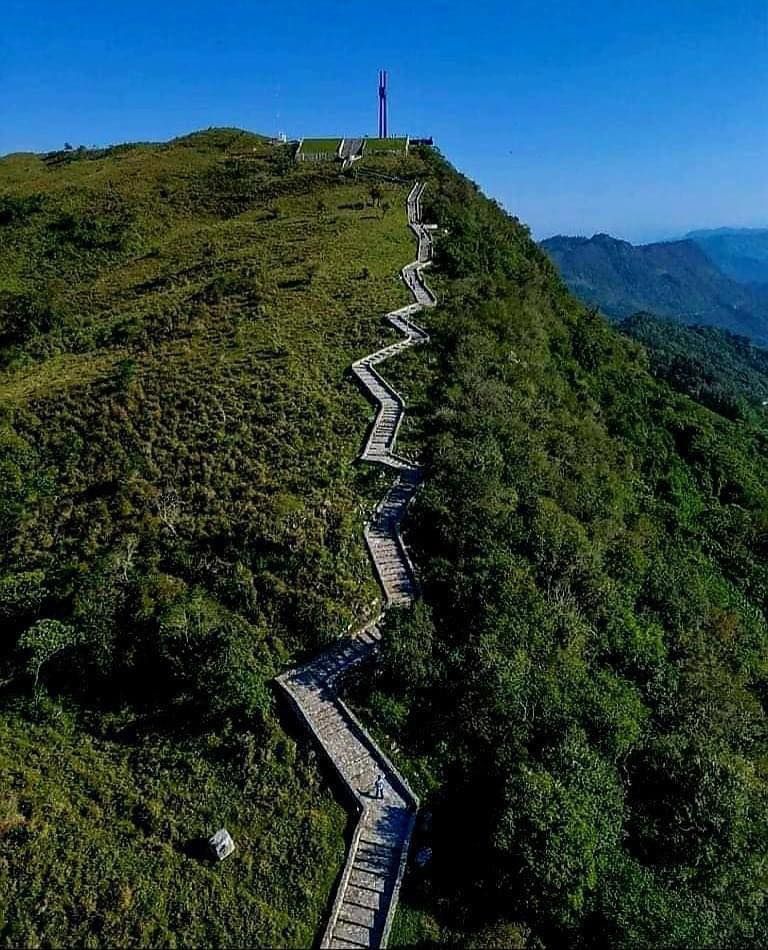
(643, 118)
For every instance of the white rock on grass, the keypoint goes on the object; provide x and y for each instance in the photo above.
(221, 844)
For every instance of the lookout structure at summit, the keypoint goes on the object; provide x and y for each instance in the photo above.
(349, 149)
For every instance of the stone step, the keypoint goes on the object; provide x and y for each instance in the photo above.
(353, 754)
(363, 896)
(374, 864)
(355, 914)
(329, 721)
(354, 933)
(395, 579)
(393, 570)
(388, 553)
(367, 880)
(399, 587)
(384, 852)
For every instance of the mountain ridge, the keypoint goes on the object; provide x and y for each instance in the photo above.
(740, 253)
(674, 279)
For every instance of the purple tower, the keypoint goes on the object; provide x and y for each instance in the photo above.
(383, 118)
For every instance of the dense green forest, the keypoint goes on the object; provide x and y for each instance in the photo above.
(724, 371)
(180, 519)
(581, 697)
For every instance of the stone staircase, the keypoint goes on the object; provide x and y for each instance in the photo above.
(350, 149)
(366, 896)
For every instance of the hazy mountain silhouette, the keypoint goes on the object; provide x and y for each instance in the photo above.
(740, 253)
(674, 279)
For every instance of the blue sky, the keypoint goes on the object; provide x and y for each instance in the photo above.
(643, 119)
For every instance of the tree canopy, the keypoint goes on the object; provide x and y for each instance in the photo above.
(581, 696)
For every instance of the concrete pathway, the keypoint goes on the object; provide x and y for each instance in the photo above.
(350, 148)
(366, 896)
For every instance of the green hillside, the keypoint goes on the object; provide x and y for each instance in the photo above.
(723, 371)
(580, 698)
(180, 517)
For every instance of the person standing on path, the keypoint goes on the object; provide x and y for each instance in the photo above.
(378, 786)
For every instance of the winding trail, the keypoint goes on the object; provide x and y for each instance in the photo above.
(365, 900)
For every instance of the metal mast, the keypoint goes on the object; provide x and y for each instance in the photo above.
(383, 117)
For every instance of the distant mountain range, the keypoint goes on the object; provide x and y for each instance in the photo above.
(676, 279)
(740, 253)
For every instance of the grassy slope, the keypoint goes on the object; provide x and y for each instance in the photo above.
(101, 842)
(318, 146)
(187, 322)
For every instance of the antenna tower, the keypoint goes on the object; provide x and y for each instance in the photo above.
(383, 117)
